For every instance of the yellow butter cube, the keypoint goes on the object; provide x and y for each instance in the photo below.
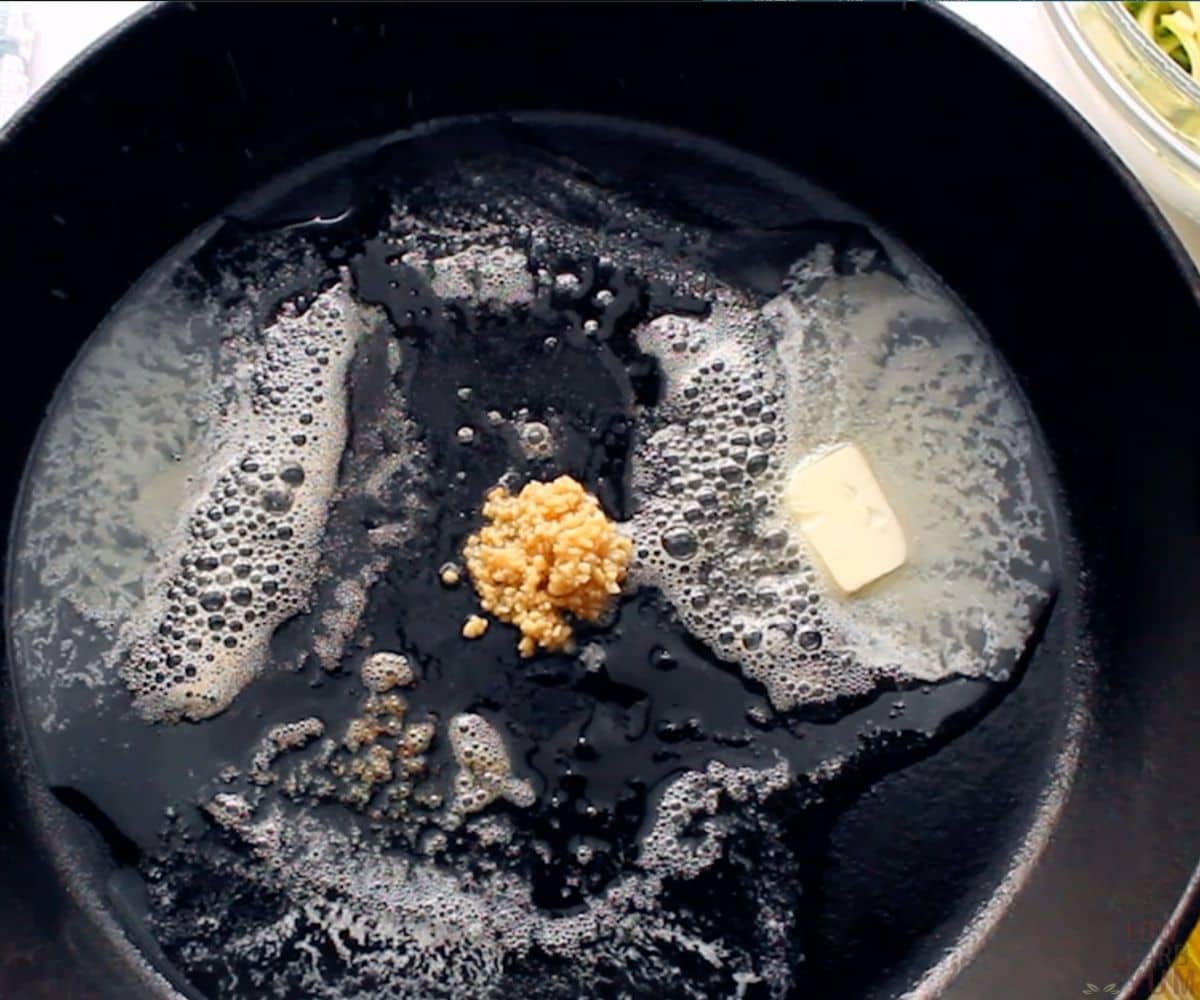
(840, 507)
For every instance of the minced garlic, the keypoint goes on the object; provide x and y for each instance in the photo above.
(544, 553)
(474, 627)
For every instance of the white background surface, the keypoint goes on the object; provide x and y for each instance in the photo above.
(64, 29)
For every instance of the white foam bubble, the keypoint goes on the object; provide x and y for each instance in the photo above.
(484, 768)
(752, 392)
(111, 470)
(449, 930)
(280, 739)
(383, 671)
(244, 556)
(481, 273)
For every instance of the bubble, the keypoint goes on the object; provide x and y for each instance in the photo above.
(485, 771)
(896, 369)
(443, 929)
(661, 659)
(290, 519)
(680, 543)
(535, 434)
(277, 501)
(383, 671)
(213, 600)
(481, 273)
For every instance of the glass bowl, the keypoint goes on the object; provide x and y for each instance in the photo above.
(1138, 97)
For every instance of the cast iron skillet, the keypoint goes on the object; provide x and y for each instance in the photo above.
(903, 113)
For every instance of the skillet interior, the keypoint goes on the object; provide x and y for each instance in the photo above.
(900, 113)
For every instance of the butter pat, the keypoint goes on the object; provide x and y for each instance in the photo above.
(838, 503)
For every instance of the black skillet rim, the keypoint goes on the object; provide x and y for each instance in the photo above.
(1186, 915)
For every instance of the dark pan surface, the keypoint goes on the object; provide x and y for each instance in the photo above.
(904, 115)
